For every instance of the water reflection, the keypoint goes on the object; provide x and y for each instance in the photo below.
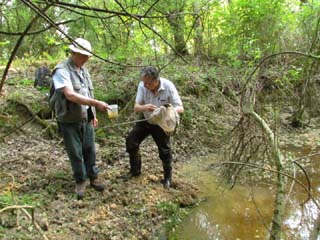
(233, 214)
(228, 215)
(203, 223)
(301, 220)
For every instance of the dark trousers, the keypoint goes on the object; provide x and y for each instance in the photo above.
(79, 143)
(139, 132)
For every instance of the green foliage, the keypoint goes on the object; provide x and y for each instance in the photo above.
(5, 43)
(26, 82)
(8, 198)
(250, 18)
(116, 91)
(174, 211)
(240, 31)
(59, 175)
(29, 96)
(187, 116)
(294, 74)
(307, 20)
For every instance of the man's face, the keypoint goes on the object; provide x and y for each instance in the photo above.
(79, 59)
(150, 83)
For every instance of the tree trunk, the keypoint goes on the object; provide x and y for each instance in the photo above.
(198, 40)
(275, 232)
(316, 230)
(176, 22)
(276, 225)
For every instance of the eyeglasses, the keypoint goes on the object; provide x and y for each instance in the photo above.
(148, 81)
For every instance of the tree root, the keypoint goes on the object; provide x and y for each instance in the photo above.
(50, 129)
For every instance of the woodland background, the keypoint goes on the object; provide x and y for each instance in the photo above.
(246, 70)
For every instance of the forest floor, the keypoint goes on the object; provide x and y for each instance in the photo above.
(36, 172)
(37, 189)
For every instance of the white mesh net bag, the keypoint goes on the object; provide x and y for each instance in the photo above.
(166, 117)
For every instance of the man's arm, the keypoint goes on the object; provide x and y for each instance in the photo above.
(176, 100)
(140, 106)
(62, 82)
(144, 107)
(82, 100)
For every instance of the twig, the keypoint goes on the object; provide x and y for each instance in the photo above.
(35, 224)
(258, 211)
(31, 217)
(307, 156)
(275, 171)
(51, 22)
(150, 8)
(18, 127)
(16, 207)
(152, 30)
(17, 46)
(49, 129)
(39, 31)
(11, 176)
(291, 186)
(308, 181)
(265, 59)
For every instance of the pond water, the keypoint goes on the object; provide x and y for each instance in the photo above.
(246, 211)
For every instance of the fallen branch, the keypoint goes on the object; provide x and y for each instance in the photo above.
(16, 207)
(23, 209)
(18, 127)
(35, 224)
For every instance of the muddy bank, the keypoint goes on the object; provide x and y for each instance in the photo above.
(36, 172)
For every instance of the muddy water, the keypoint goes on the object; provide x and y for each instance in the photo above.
(245, 211)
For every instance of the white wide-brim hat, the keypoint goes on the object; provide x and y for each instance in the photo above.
(81, 46)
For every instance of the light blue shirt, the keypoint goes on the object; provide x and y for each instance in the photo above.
(167, 93)
(61, 79)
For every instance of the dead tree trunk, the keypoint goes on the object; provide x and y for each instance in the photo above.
(275, 233)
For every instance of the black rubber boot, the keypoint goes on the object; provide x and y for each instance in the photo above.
(167, 168)
(135, 164)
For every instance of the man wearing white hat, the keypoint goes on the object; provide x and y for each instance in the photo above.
(74, 107)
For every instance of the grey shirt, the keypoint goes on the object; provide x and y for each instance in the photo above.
(167, 93)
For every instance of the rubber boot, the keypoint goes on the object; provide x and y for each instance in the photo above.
(135, 164)
(167, 168)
